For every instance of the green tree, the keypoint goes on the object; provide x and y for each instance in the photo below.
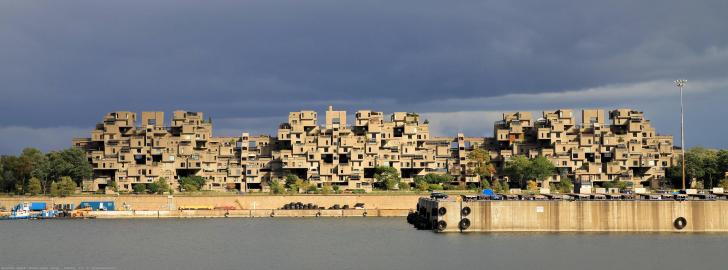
(518, 168)
(497, 186)
(41, 168)
(140, 188)
(724, 184)
(10, 175)
(160, 186)
(23, 168)
(113, 186)
(55, 189)
(421, 184)
(191, 183)
(542, 168)
(71, 162)
(276, 187)
(478, 162)
(291, 180)
(387, 177)
(2, 174)
(435, 178)
(565, 185)
(484, 184)
(701, 164)
(326, 189)
(64, 187)
(722, 161)
(337, 188)
(522, 169)
(34, 187)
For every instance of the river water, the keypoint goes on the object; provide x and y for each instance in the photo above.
(335, 243)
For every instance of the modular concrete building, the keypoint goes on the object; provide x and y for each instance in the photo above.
(593, 151)
(345, 154)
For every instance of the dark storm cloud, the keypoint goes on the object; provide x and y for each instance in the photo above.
(65, 64)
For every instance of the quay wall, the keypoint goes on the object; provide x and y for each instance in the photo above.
(250, 213)
(582, 216)
(239, 202)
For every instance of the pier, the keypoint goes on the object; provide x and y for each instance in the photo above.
(458, 215)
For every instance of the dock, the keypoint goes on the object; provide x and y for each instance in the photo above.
(462, 215)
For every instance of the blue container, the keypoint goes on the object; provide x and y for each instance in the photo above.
(98, 205)
(37, 206)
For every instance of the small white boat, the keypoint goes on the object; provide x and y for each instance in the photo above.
(21, 211)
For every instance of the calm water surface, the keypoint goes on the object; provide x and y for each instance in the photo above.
(332, 243)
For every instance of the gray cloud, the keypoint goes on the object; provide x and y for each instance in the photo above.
(66, 64)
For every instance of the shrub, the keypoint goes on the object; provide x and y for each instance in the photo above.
(724, 183)
(276, 187)
(113, 186)
(421, 185)
(160, 186)
(140, 188)
(532, 186)
(191, 183)
(565, 185)
(485, 184)
(432, 187)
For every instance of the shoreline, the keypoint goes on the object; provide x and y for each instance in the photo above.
(153, 206)
(250, 213)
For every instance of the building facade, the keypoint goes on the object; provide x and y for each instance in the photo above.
(345, 153)
(593, 151)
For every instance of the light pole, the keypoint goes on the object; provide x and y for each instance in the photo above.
(681, 84)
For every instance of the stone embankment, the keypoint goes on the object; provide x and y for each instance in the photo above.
(160, 206)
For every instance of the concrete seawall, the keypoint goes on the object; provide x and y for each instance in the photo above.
(259, 213)
(578, 216)
(245, 205)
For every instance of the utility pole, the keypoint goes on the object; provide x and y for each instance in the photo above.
(681, 84)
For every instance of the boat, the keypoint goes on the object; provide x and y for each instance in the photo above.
(22, 211)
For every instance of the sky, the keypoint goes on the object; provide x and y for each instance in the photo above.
(460, 64)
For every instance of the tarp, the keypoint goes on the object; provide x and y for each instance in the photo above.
(488, 192)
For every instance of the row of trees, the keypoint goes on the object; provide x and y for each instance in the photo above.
(35, 172)
(519, 169)
(706, 166)
(160, 186)
(294, 184)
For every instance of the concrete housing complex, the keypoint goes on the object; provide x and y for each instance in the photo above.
(345, 154)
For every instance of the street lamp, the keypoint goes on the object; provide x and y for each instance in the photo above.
(681, 84)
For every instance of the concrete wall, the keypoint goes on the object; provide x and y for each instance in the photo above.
(248, 213)
(162, 202)
(599, 216)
